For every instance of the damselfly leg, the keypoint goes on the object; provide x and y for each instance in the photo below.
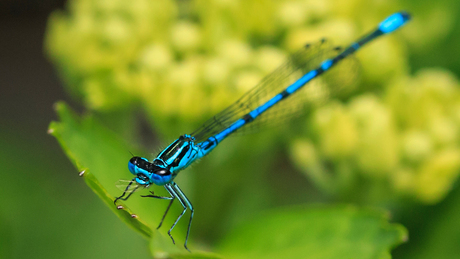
(175, 192)
(130, 189)
(172, 198)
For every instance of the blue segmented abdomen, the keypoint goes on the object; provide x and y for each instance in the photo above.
(314, 63)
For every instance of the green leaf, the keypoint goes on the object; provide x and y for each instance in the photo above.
(101, 157)
(95, 152)
(315, 232)
(125, 215)
(296, 232)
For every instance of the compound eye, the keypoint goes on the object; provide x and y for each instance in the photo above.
(133, 160)
(163, 172)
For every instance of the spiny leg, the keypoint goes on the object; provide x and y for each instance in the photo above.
(173, 188)
(189, 205)
(174, 194)
(166, 212)
(152, 195)
(125, 198)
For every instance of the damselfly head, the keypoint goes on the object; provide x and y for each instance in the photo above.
(141, 168)
(147, 173)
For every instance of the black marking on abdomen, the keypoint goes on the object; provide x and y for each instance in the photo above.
(284, 94)
(212, 141)
(248, 118)
(319, 71)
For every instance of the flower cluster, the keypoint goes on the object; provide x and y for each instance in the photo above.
(409, 137)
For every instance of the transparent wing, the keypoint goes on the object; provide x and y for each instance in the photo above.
(315, 92)
(128, 186)
(334, 83)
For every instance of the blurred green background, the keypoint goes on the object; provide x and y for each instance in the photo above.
(143, 68)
